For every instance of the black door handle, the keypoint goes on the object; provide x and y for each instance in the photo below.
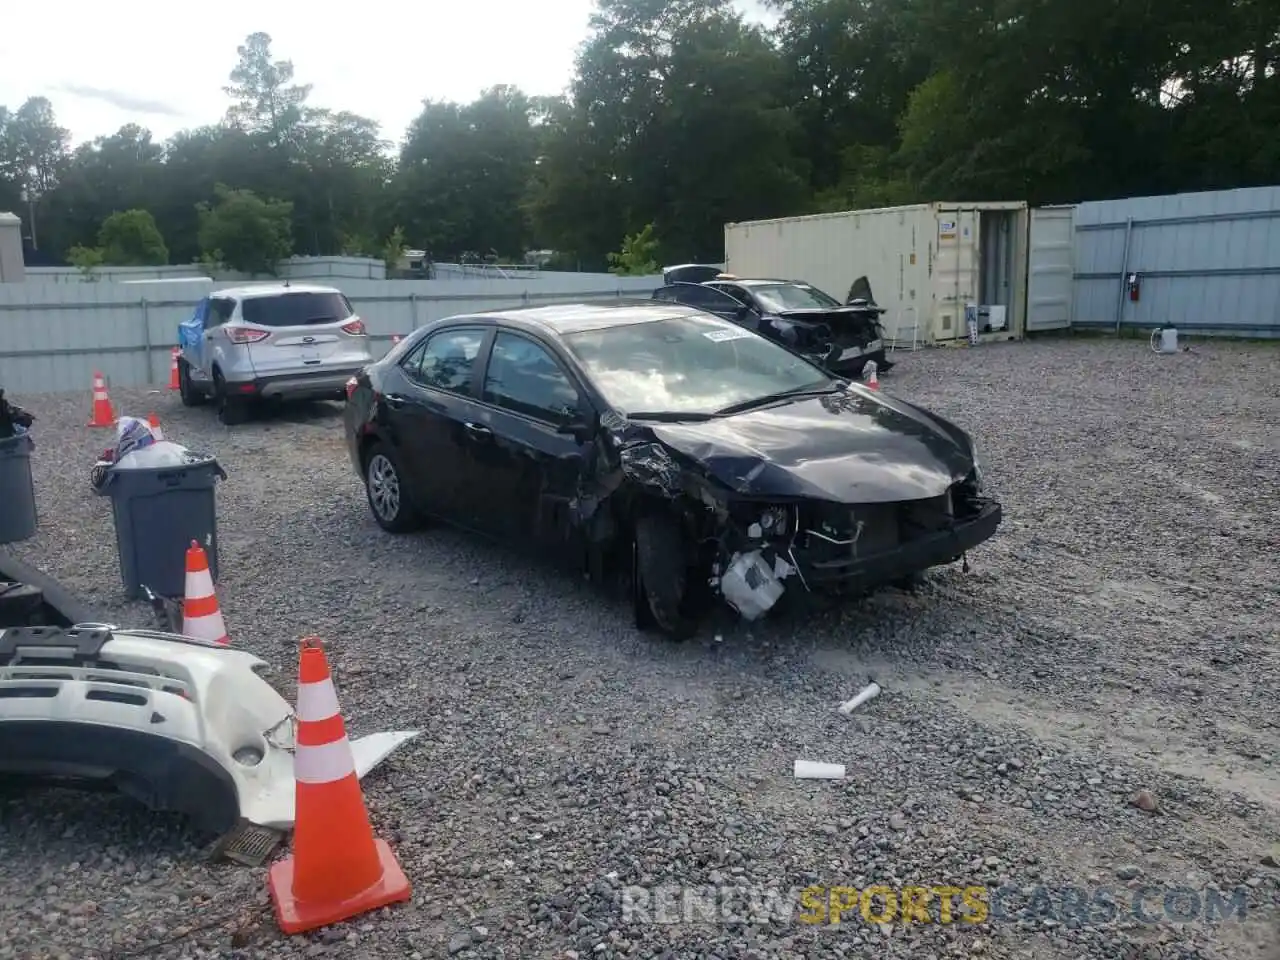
(478, 430)
(395, 401)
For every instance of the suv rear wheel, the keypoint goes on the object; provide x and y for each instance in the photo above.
(191, 397)
(231, 410)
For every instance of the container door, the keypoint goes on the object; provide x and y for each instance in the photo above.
(1051, 268)
(955, 271)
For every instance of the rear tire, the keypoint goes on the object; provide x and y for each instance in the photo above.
(191, 397)
(231, 410)
(662, 577)
(384, 488)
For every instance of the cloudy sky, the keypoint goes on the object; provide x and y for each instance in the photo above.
(163, 65)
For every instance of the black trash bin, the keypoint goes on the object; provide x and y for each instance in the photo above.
(17, 493)
(158, 512)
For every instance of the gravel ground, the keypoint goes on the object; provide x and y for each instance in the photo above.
(1114, 648)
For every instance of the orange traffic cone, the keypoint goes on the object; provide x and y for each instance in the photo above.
(201, 615)
(103, 415)
(869, 372)
(154, 423)
(395, 338)
(338, 868)
(173, 369)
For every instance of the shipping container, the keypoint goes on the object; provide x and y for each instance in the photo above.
(925, 262)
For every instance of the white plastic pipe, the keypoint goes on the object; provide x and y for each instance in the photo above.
(813, 770)
(868, 692)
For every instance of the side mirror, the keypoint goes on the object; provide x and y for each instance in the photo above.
(572, 424)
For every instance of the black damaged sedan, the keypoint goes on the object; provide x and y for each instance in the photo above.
(666, 450)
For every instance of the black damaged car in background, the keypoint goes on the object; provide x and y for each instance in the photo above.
(666, 450)
(841, 337)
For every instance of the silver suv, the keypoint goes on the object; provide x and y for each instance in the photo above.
(286, 341)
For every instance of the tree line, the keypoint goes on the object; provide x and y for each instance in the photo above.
(682, 116)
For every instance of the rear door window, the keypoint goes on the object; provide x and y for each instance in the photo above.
(302, 309)
(445, 360)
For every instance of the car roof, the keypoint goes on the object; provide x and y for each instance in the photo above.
(259, 290)
(567, 318)
(759, 282)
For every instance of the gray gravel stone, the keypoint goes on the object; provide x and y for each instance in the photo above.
(1117, 636)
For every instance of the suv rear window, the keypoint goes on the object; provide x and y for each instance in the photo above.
(296, 309)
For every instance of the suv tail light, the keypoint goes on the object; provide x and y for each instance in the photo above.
(246, 334)
(355, 327)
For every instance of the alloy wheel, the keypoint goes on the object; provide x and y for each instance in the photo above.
(384, 487)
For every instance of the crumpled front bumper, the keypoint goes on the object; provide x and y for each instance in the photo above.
(869, 570)
(178, 724)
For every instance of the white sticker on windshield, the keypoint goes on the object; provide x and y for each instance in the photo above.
(720, 336)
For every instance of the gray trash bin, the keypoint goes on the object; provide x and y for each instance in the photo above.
(158, 512)
(17, 493)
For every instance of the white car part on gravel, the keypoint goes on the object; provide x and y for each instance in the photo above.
(177, 723)
(814, 770)
(752, 585)
(868, 692)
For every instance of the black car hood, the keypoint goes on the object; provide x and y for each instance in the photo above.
(827, 314)
(847, 447)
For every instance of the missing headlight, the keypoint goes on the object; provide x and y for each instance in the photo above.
(775, 522)
(770, 524)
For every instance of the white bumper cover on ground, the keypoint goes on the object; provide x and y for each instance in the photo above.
(98, 702)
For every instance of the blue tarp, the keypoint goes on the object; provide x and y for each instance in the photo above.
(191, 330)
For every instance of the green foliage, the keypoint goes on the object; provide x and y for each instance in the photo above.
(682, 116)
(393, 249)
(86, 260)
(244, 232)
(638, 257)
(131, 238)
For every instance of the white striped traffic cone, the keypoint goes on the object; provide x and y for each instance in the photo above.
(338, 869)
(201, 616)
(103, 415)
(869, 374)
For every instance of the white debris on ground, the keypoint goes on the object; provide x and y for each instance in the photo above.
(1094, 705)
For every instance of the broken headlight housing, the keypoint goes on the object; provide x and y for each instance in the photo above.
(978, 473)
(769, 523)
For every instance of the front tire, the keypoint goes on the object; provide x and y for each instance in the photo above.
(385, 490)
(662, 578)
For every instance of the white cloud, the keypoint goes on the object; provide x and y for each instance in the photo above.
(164, 66)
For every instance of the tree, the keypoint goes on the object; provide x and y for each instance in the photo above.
(636, 258)
(393, 250)
(131, 239)
(681, 116)
(86, 260)
(463, 175)
(678, 118)
(244, 232)
(266, 100)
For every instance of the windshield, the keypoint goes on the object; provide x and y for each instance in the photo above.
(793, 296)
(295, 309)
(689, 365)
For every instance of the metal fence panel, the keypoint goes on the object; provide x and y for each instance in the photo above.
(53, 336)
(1206, 262)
